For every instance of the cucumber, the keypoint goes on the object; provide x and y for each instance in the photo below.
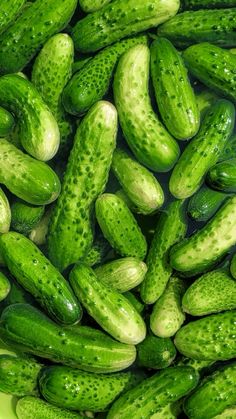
(39, 233)
(24, 217)
(233, 266)
(17, 294)
(171, 228)
(140, 185)
(39, 277)
(110, 309)
(170, 411)
(9, 11)
(98, 253)
(122, 274)
(5, 286)
(5, 213)
(70, 231)
(28, 179)
(229, 413)
(156, 353)
(213, 292)
(154, 393)
(119, 226)
(132, 298)
(89, 6)
(229, 151)
(222, 176)
(208, 4)
(121, 194)
(19, 375)
(167, 316)
(32, 29)
(78, 390)
(210, 338)
(24, 326)
(204, 203)
(174, 95)
(204, 248)
(33, 408)
(205, 99)
(6, 122)
(120, 19)
(52, 70)
(79, 63)
(200, 366)
(214, 395)
(92, 82)
(151, 144)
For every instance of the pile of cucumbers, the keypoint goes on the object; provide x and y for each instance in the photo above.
(118, 208)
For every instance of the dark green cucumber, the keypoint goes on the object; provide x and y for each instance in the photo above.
(92, 82)
(9, 11)
(203, 151)
(229, 151)
(24, 327)
(31, 30)
(89, 6)
(24, 217)
(110, 309)
(150, 142)
(208, 4)
(174, 94)
(204, 248)
(118, 20)
(204, 203)
(222, 176)
(29, 179)
(6, 122)
(209, 338)
(19, 375)
(78, 390)
(5, 213)
(119, 226)
(154, 393)
(39, 277)
(214, 395)
(171, 228)
(33, 408)
(156, 353)
(70, 230)
(5, 286)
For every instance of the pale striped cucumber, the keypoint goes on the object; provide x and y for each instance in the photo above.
(5, 286)
(6, 122)
(155, 352)
(33, 408)
(89, 6)
(25, 217)
(5, 213)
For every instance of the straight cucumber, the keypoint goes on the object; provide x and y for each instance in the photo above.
(33, 408)
(5, 213)
(89, 6)
(5, 286)
(208, 4)
(156, 353)
(204, 203)
(6, 122)
(222, 176)
(25, 217)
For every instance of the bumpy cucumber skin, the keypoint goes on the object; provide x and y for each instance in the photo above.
(222, 176)
(198, 364)
(19, 375)
(214, 395)
(229, 151)
(9, 11)
(156, 353)
(89, 6)
(110, 309)
(170, 411)
(203, 249)
(70, 231)
(167, 316)
(204, 203)
(119, 226)
(205, 99)
(171, 228)
(29, 179)
(140, 185)
(209, 338)
(150, 142)
(25, 217)
(98, 252)
(154, 393)
(5, 213)
(6, 122)
(92, 82)
(118, 20)
(5, 287)
(203, 151)
(38, 276)
(33, 408)
(208, 4)
(174, 94)
(31, 30)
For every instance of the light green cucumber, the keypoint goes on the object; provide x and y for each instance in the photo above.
(156, 353)
(70, 231)
(170, 411)
(25, 217)
(205, 99)
(210, 338)
(5, 213)
(174, 94)
(110, 309)
(167, 316)
(38, 234)
(121, 194)
(6, 122)
(204, 203)
(5, 286)
(89, 6)
(222, 176)
(33, 408)
(171, 228)
(150, 142)
(135, 301)
(203, 151)
(119, 226)
(229, 413)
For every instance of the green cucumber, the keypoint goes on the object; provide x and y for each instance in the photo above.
(133, 299)
(170, 411)
(204, 203)
(92, 82)
(199, 365)
(31, 30)
(233, 266)
(213, 292)
(33, 408)
(19, 375)
(79, 390)
(70, 231)
(27, 178)
(110, 309)
(6, 122)
(208, 4)
(205, 99)
(5, 213)
(38, 234)
(174, 95)
(17, 294)
(204, 248)
(171, 228)
(229, 413)
(154, 393)
(119, 226)
(121, 194)
(89, 6)
(167, 316)
(39, 277)
(98, 252)
(229, 151)
(210, 338)
(156, 353)
(118, 20)
(150, 142)
(222, 176)
(24, 327)
(5, 286)
(140, 185)
(79, 63)
(214, 395)
(9, 11)
(25, 217)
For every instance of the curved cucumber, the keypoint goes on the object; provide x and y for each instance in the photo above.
(155, 352)
(151, 144)
(9, 11)
(89, 6)
(6, 122)
(208, 4)
(119, 226)
(222, 176)
(33, 408)
(5, 286)
(38, 276)
(203, 151)
(25, 217)
(174, 94)
(5, 212)
(204, 203)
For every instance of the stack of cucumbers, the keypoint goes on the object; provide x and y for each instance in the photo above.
(118, 208)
